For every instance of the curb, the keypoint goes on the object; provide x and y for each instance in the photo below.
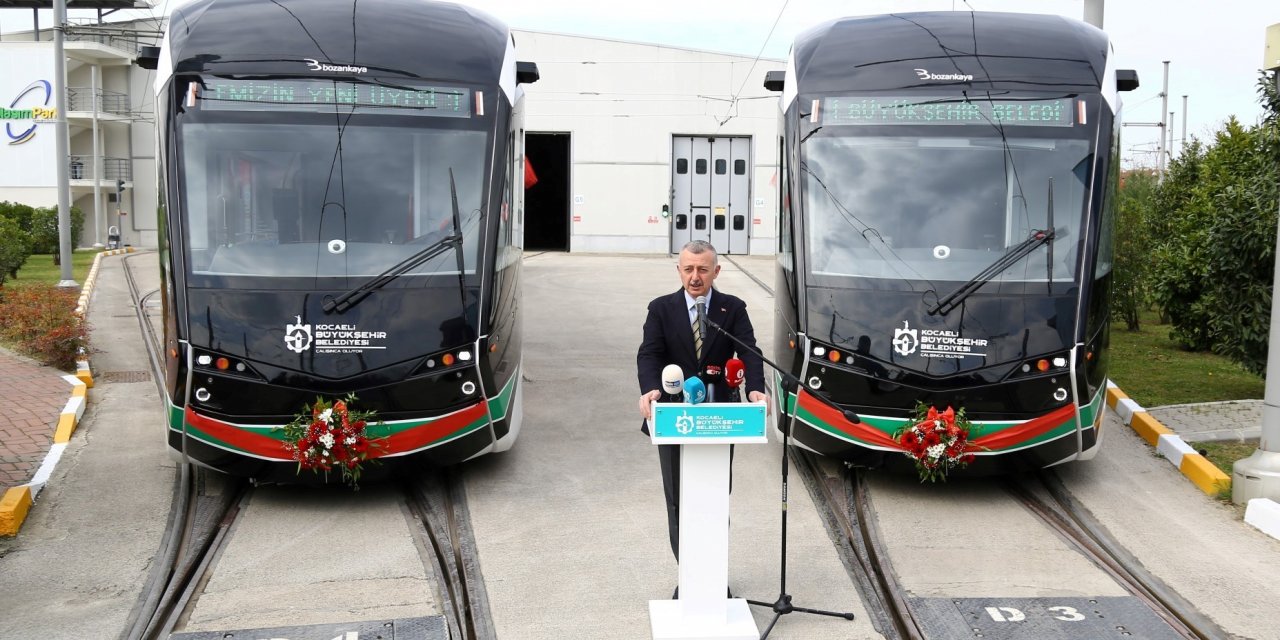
(17, 501)
(1261, 513)
(1207, 477)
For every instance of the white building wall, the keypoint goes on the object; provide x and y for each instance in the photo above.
(622, 102)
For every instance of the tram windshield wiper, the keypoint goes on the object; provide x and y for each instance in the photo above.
(1019, 251)
(453, 241)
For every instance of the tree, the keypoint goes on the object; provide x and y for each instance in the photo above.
(1214, 226)
(1133, 245)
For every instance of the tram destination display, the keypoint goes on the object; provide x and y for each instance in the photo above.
(325, 96)
(918, 110)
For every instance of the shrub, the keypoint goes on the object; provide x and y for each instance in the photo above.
(40, 321)
(17, 212)
(15, 246)
(43, 229)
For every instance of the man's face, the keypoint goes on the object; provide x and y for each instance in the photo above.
(697, 272)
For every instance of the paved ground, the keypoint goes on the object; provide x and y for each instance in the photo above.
(1208, 421)
(32, 396)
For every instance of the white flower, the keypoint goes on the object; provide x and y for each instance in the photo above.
(935, 451)
(349, 440)
(327, 440)
(325, 415)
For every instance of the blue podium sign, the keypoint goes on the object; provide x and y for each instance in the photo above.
(709, 423)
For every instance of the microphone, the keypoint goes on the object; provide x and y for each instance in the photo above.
(734, 374)
(672, 383)
(790, 379)
(700, 303)
(711, 377)
(694, 391)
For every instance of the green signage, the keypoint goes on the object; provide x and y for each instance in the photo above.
(328, 95)
(34, 113)
(951, 110)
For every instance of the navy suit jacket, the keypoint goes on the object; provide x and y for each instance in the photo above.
(668, 339)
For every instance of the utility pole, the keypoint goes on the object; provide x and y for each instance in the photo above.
(1093, 10)
(1184, 123)
(1258, 476)
(1164, 108)
(61, 144)
(1171, 121)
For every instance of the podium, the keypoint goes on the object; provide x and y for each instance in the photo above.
(704, 433)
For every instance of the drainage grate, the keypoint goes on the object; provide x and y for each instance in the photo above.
(125, 376)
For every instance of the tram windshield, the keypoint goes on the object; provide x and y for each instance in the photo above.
(308, 178)
(942, 207)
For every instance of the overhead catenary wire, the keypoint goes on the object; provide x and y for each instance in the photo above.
(734, 100)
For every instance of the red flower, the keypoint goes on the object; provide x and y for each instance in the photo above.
(909, 438)
(932, 438)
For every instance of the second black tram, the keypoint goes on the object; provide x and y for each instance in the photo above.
(343, 211)
(947, 206)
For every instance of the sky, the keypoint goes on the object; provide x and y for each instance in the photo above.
(1214, 47)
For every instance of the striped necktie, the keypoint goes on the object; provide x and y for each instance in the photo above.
(697, 335)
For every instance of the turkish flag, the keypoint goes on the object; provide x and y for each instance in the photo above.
(530, 178)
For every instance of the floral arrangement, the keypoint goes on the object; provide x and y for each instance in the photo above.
(938, 441)
(328, 436)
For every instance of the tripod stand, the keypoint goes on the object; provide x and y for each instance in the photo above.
(783, 606)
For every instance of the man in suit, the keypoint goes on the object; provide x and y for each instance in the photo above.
(672, 336)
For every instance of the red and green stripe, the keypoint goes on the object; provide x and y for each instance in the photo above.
(987, 437)
(400, 437)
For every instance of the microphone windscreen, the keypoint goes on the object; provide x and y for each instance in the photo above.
(672, 380)
(734, 373)
(694, 390)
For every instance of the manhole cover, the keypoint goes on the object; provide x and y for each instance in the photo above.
(125, 376)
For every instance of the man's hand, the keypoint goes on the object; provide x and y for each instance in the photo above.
(760, 396)
(646, 403)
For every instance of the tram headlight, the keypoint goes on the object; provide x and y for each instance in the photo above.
(202, 394)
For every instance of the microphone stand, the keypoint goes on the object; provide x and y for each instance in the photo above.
(783, 606)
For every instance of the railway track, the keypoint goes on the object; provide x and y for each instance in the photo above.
(851, 518)
(208, 508)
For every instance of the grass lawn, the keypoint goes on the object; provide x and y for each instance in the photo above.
(1225, 454)
(1154, 371)
(39, 267)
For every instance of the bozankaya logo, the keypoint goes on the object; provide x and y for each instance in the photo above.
(925, 75)
(316, 65)
(297, 336)
(37, 113)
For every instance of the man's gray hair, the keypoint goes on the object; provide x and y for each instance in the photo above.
(697, 247)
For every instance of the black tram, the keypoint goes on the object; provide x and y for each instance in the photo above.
(946, 231)
(343, 211)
